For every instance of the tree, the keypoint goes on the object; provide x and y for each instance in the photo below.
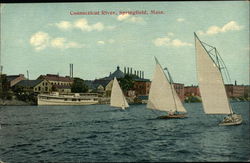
(127, 83)
(79, 86)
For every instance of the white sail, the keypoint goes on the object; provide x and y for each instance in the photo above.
(211, 85)
(161, 95)
(117, 97)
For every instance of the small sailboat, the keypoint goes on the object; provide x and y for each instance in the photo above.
(117, 97)
(162, 95)
(211, 84)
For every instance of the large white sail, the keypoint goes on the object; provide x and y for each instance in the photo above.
(117, 97)
(211, 85)
(161, 95)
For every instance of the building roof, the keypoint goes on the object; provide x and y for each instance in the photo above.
(13, 77)
(53, 77)
(102, 82)
(117, 73)
(29, 83)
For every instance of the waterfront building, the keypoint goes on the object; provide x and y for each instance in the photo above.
(34, 86)
(235, 90)
(14, 79)
(62, 88)
(179, 88)
(141, 86)
(57, 80)
(191, 91)
(4, 86)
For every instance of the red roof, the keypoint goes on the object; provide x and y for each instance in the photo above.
(52, 77)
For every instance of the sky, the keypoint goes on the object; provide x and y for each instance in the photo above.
(44, 38)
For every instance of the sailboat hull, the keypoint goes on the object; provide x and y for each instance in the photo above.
(233, 120)
(174, 116)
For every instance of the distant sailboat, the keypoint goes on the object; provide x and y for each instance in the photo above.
(162, 95)
(117, 97)
(211, 85)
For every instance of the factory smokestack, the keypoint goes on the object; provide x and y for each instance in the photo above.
(125, 70)
(71, 70)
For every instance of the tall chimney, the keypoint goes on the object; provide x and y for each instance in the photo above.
(27, 74)
(72, 71)
(235, 82)
(134, 72)
(128, 70)
(131, 70)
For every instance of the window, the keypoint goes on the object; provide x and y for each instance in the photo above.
(39, 88)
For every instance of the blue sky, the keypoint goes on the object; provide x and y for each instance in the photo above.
(44, 38)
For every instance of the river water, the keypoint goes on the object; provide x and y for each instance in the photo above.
(103, 133)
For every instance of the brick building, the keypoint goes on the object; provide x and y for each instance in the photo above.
(191, 91)
(141, 86)
(235, 90)
(14, 79)
(179, 88)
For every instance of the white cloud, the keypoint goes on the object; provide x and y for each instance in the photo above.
(168, 41)
(180, 20)
(64, 25)
(231, 26)
(62, 43)
(40, 40)
(123, 17)
(129, 18)
(82, 24)
(177, 43)
(101, 42)
(58, 43)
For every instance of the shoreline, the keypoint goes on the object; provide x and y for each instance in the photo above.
(23, 103)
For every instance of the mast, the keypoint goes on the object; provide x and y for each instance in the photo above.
(217, 58)
(171, 84)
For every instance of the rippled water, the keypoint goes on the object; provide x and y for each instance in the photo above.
(103, 133)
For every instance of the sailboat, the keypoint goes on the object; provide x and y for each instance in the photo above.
(117, 97)
(211, 84)
(162, 95)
